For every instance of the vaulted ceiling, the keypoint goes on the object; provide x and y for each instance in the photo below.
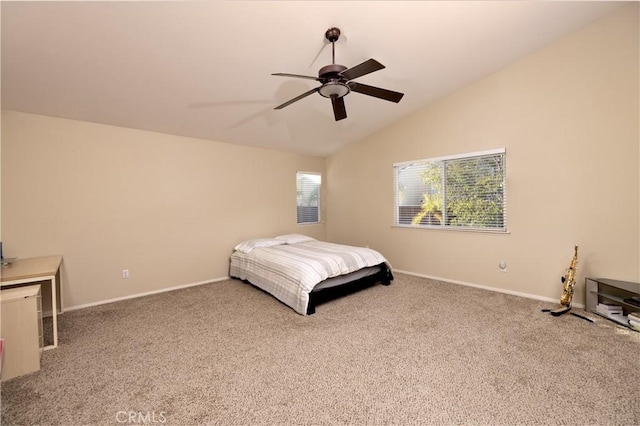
(203, 69)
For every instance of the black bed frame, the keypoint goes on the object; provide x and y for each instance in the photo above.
(384, 277)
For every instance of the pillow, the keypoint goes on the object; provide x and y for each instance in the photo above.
(247, 246)
(294, 238)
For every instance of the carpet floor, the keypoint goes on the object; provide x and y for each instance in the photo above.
(417, 352)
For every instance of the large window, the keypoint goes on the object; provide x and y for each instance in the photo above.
(457, 192)
(308, 197)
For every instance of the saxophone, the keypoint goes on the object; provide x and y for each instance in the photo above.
(569, 280)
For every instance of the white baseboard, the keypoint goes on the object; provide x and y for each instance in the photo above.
(484, 287)
(148, 293)
(163, 290)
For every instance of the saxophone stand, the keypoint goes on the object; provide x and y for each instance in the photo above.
(564, 310)
(559, 311)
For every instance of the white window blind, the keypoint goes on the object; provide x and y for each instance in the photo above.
(308, 197)
(460, 192)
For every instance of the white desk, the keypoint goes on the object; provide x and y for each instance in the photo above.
(35, 269)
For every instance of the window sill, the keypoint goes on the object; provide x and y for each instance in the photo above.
(452, 229)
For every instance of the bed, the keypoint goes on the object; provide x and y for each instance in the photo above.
(303, 272)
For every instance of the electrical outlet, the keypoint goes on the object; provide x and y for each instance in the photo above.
(125, 273)
(502, 266)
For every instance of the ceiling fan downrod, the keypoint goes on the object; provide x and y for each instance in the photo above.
(333, 34)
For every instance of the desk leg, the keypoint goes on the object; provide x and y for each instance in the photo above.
(54, 312)
(59, 290)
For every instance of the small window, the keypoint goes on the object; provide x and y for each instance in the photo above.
(457, 192)
(308, 197)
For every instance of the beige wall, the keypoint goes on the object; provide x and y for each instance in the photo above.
(170, 209)
(568, 117)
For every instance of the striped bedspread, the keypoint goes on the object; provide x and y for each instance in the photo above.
(290, 271)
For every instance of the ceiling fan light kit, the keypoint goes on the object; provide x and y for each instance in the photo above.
(334, 89)
(337, 81)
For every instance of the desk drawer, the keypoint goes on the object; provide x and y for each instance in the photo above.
(21, 329)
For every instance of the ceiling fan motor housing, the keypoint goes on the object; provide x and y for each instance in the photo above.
(331, 72)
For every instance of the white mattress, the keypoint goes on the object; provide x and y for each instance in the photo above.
(291, 271)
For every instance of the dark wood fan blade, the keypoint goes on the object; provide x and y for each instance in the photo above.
(297, 98)
(281, 74)
(339, 111)
(376, 92)
(364, 68)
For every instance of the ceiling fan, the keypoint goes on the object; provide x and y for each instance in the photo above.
(337, 81)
